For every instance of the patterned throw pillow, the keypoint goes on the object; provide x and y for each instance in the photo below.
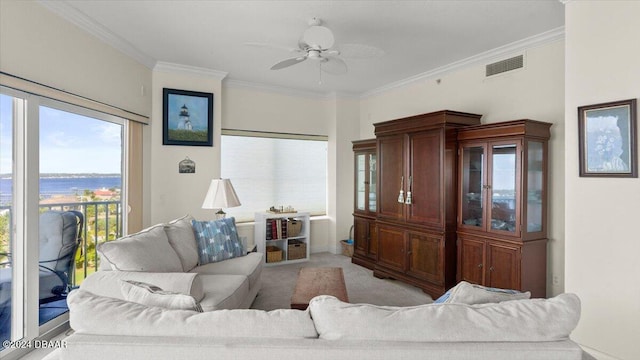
(217, 240)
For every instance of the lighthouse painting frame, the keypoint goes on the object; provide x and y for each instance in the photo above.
(187, 118)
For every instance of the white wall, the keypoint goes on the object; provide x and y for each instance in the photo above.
(535, 92)
(344, 128)
(40, 46)
(602, 241)
(172, 194)
(247, 108)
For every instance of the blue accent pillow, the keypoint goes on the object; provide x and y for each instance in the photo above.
(443, 299)
(217, 240)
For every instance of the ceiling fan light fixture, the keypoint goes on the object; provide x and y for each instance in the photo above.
(316, 43)
(314, 54)
(318, 37)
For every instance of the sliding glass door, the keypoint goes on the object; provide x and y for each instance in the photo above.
(54, 157)
(81, 162)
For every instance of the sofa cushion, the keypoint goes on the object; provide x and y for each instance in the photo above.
(107, 283)
(249, 265)
(182, 240)
(217, 240)
(466, 293)
(147, 250)
(92, 314)
(224, 291)
(519, 320)
(151, 295)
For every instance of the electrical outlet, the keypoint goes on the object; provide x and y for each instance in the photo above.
(556, 280)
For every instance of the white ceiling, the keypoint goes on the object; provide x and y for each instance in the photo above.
(417, 36)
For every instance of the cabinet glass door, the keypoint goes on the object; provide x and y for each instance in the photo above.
(472, 186)
(535, 186)
(372, 182)
(360, 181)
(503, 188)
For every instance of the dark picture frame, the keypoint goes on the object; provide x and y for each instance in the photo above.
(608, 139)
(187, 118)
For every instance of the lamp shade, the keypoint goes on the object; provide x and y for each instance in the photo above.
(220, 195)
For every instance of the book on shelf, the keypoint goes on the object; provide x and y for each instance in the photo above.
(277, 229)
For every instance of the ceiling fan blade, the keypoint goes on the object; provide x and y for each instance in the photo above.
(334, 65)
(360, 51)
(318, 37)
(273, 46)
(288, 62)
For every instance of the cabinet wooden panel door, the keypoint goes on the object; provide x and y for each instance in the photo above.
(471, 266)
(504, 266)
(391, 172)
(424, 178)
(372, 252)
(360, 231)
(426, 256)
(391, 247)
(365, 237)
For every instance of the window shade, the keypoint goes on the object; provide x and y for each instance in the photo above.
(46, 91)
(271, 171)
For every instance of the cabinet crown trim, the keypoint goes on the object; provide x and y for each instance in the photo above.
(523, 127)
(427, 121)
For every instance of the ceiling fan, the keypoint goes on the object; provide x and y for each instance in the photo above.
(316, 44)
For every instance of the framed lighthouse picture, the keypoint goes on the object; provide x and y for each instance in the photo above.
(187, 118)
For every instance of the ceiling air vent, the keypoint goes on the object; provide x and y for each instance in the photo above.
(499, 67)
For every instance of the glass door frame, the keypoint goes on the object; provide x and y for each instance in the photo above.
(26, 208)
(482, 194)
(517, 186)
(24, 224)
(487, 186)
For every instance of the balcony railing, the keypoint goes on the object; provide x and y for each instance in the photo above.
(102, 222)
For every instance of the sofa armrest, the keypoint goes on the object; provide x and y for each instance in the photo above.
(107, 283)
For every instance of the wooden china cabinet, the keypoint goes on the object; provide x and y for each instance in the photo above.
(365, 249)
(416, 200)
(502, 202)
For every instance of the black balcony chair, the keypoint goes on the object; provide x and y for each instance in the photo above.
(60, 236)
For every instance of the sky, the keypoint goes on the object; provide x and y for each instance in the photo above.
(69, 143)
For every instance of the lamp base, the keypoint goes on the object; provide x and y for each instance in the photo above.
(220, 215)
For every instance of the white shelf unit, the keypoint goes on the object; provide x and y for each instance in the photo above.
(264, 237)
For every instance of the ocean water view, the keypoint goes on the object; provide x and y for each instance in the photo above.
(71, 184)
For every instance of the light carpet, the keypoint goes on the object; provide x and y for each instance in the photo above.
(278, 283)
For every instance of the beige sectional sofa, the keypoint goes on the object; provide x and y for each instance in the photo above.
(166, 255)
(109, 328)
(471, 323)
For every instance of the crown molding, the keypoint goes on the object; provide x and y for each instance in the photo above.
(186, 69)
(83, 21)
(514, 47)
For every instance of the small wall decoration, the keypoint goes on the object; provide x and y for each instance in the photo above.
(607, 139)
(186, 166)
(187, 118)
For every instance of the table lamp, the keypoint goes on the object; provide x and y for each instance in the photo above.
(220, 195)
